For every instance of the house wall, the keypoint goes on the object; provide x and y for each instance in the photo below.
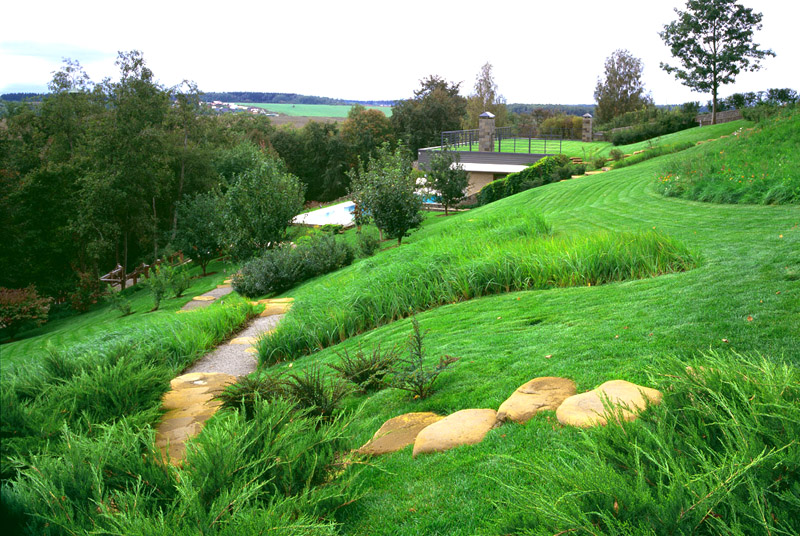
(478, 180)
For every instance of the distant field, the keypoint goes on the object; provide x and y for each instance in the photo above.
(312, 110)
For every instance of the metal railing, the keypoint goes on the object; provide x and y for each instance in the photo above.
(506, 139)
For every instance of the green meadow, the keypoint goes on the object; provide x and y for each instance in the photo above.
(597, 278)
(313, 110)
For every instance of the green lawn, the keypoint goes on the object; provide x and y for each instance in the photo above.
(742, 298)
(313, 110)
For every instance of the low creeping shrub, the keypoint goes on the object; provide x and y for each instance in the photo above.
(275, 473)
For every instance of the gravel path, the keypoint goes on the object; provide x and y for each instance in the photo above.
(233, 358)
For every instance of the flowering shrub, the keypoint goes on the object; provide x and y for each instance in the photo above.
(21, 308)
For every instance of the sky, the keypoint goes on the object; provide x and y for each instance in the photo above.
(541, 52)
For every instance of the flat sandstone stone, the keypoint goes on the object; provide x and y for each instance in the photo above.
(587, 409)
(465, 427)
(399, 432)
(244, 340)
(189, 404)
(539, 394)
(204, 298)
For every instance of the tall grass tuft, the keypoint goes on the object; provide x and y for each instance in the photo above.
(719, 455)
(490, 255)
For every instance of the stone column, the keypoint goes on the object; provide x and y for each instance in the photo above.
(586, 132)
(486, 132)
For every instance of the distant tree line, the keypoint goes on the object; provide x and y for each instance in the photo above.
(19, 97)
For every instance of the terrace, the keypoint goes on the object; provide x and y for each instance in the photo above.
(488, 153)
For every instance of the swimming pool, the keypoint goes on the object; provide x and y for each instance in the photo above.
(341, 214)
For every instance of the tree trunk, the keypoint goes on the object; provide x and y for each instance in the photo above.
(155, 230)
(714, 105)
(180, 185)
(124, 278)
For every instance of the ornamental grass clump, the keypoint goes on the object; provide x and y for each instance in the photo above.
(252, 390)
(316, 393)
(411, 374)
(367, 370)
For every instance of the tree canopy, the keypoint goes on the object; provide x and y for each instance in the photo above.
(713, 41)
(621, 90)
(435, 107)
(486, 98)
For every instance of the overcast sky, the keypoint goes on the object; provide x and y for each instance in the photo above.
(542, 52)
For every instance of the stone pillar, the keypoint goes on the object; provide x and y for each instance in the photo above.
(586, 132)
(486, 132)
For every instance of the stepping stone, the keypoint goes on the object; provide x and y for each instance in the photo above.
(244, 340)
(587, 409)
(188, 404)
(539, 394)
(224, 286)
(465, 427)
(397, 433)
(251, 350)
(227, 282)
(277, 306)
(204, 298)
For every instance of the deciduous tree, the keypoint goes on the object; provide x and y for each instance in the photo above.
(713, 40)
(447, 176)
(435, 107)
(386, 190)
(486, 98)
(621, 90)
(201, 228)
(259, 206)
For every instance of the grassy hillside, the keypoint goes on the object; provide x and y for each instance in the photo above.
(742, 298)
(313, 110)
(719, 455)
(71, 330)
(756, 166)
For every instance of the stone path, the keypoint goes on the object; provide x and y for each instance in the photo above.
(204, 300)
(190, 401)
(430, 433)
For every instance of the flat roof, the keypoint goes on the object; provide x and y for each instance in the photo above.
(492, 168)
